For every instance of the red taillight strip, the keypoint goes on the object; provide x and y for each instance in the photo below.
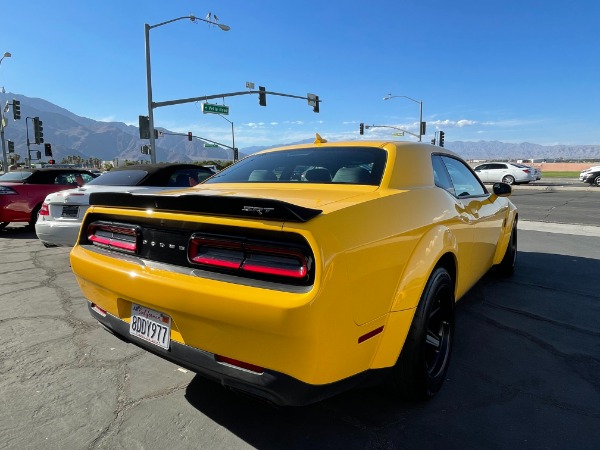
(370, 334)
(113, 236)
(280, 262)
(111, 242)
(239, 364)
(227, 261)
(252, 266)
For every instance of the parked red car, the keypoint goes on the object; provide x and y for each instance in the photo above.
(23, 191)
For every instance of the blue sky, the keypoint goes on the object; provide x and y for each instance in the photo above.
(510, 70)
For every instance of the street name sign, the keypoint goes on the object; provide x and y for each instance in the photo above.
(215, 109)
(399, 133)
(210, 145)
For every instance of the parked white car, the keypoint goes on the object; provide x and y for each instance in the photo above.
(509, 173)
(60, 216)
(591, 176)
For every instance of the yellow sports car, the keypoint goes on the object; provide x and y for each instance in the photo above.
(301, 271)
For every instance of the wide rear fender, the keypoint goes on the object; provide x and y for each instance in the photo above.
(435, 244)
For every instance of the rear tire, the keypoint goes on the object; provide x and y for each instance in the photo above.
(596, 181)
(3, 225)
(423, 362)
(507, 266)
(34, 216)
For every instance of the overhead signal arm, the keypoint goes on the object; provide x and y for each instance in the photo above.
(312, 99)
(395, 128)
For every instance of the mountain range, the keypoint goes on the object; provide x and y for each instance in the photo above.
(70, 134)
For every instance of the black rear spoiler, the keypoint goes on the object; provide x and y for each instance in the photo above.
(210, 204)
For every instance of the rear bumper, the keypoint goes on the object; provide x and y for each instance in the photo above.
(57, 233)
(271, 386)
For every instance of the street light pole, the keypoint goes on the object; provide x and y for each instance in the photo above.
(390, 96)
(147, 29)
(232, 136)
(3, 125)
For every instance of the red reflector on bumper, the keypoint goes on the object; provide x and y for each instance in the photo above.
(370, 334)
(98, 310)
(239, 364)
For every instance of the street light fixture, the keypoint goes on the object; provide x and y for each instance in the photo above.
(6, 55)
(390, 96)
(147, 29)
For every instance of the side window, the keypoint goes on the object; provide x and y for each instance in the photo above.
(440, 174)
(482, 167)
(465, 183)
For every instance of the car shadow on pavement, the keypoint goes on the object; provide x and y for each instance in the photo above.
(23, 231)
(525, 359)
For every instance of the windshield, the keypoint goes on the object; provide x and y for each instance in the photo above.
(338, 165)
(15, 176)
(119, 178)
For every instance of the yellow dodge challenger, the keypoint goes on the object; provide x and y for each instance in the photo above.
(301, 271)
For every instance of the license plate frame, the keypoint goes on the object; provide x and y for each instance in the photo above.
(150, 325)
(70, 211)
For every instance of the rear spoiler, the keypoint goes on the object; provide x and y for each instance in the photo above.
(198, 203)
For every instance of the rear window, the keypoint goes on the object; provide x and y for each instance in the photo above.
(330, 165)
(120, 178)
(15, 176)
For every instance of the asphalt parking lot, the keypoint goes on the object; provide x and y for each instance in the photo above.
(525, 371)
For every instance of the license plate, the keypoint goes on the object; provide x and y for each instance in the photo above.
(150, 325)
(70, 211)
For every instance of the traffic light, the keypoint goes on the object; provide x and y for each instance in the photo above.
(11, 146)
(48, 149)
(16, 109)
(441, 138)
(423, 128)
(38, 155)
(236, 155)
(144, 127)
(433, 141)
(38, 130)
(316, 107)
(51, 161)
(189, 135)
(362, 128)
(262, 97)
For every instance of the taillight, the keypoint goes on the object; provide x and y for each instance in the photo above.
(44, 211)
(526, 170)
(113, 236)
(267, 260)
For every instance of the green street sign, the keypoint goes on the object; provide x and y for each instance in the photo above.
(215, 109)
(399, 133)
(210, 145)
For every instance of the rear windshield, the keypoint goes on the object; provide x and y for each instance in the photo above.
(337, 165)
(120, 178)
(15, 176)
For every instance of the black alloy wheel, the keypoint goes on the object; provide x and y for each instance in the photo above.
(424, 360)
(596, 181)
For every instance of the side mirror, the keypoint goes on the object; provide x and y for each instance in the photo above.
(502, 189)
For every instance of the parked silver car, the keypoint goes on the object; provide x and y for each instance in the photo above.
(509, 173)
